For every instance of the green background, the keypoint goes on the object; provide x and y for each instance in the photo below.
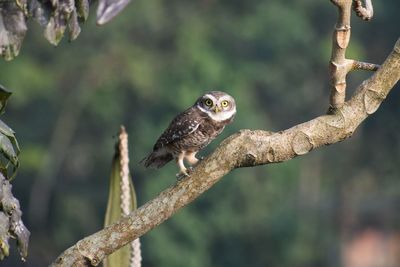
(153, 61)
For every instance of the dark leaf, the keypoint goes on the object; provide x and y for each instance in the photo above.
(7, 149)
(4, 95)
(3, 172)
(4, 129)
(12, 29)
(15, 143)
(41, 12)
(108, 9)
(7, 132)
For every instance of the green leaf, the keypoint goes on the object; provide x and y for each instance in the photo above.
(10, 150)
(4, 129)
(122, 256)
(8, 133)
(4, 95)
(7, 149)
(8, 143)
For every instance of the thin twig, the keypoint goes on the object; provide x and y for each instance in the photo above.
(359, 65)
(367, 12)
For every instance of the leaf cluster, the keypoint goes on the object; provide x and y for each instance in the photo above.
(9, 147)
(54, 16)
(11, 224)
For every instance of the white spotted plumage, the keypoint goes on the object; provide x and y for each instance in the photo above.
(192, 130)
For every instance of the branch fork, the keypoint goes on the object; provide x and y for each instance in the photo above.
(339, 65)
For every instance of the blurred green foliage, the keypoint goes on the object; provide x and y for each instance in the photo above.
(153, 61)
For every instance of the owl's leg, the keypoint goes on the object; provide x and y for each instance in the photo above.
(182, 169)
(191, 158)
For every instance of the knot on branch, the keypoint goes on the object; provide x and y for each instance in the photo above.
(372, 101)
(249, 160)
(367, 12)
(93, 258)
(397, 46)
(301, 143)
(335, 119)
(343, 36)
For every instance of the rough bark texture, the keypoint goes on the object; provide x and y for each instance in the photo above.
(243, 149)
(339, 65)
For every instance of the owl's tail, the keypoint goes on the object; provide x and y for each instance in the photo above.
(157, 159)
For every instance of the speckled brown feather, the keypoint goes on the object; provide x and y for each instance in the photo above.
(190, 131)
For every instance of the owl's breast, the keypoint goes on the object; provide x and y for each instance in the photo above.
(205, 134)
(211, 129)
(207, 131)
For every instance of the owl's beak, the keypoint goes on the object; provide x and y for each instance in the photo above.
(217, 109)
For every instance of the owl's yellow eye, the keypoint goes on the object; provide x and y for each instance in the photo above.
(208, 102)
(224, 103)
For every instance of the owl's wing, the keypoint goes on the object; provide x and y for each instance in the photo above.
(181, 126)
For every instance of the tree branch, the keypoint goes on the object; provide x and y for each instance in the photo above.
(367, 12)
(359, 65)
(339, 66)
(243, 149)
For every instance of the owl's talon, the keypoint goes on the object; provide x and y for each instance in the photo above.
(182, 174)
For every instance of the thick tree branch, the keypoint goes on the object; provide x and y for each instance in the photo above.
(244, 149)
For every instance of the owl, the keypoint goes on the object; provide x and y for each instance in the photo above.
(191, 131)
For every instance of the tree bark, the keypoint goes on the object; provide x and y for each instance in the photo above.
(339, 65)
(244, 149)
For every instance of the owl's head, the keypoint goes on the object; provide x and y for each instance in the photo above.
(219, 106)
